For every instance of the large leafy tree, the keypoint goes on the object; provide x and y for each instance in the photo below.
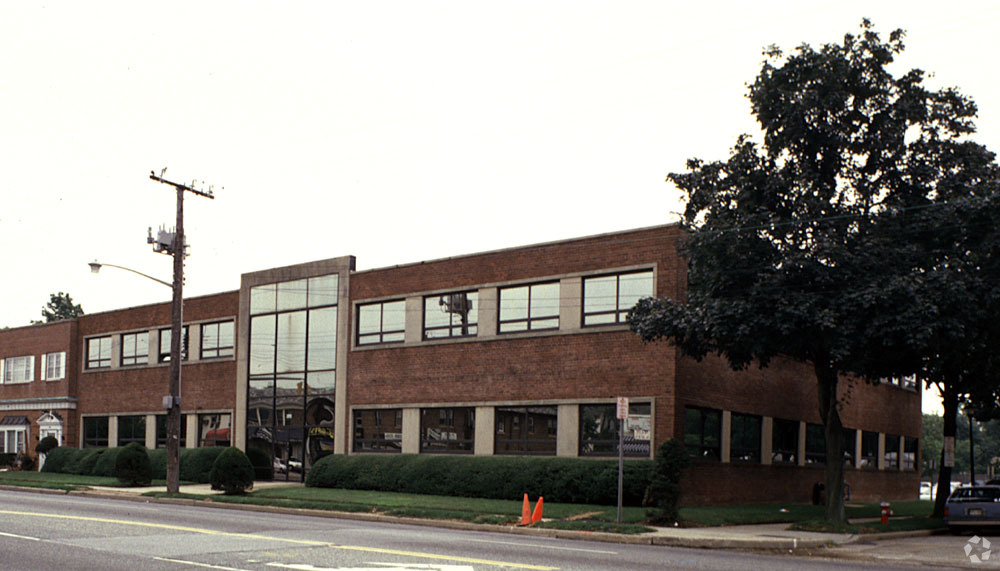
(59, 307)
(801, 246)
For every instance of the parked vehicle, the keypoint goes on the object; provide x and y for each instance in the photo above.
(926, 491)
(972, 507)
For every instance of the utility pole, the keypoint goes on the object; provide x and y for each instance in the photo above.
(175, 245)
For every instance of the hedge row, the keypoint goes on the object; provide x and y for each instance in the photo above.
(572, 480)
(195, 463)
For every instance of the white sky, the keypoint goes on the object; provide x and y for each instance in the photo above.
(394, 131)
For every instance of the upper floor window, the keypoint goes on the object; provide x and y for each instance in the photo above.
(451, 315)
(317, 291)
(54, 366)
(165, 334)
(99, 352)
(18, 369)
(135, 348)
(608, 299)
(217, 340)
(382, 322)
(529, 307)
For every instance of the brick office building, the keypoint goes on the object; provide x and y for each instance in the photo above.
(517, 351)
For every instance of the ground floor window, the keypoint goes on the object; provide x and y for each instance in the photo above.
(703, 432)
(815, 444)
(214, 429)
(891, 452)
(784, 441)
(869, 450)
(131, 429)
(599, 425)
(95, 432)
(526, 430)
(744, 443)
(909, 453)
(378, 430)
(12, 440)
(448, 430)
(850, 444)
(161, 431)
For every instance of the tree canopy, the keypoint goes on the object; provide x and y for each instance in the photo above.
(59, 307)
(818, 244)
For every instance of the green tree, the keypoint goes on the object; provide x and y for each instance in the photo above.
(796, 247)
(59, 307)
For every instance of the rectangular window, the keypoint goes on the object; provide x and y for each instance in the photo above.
(54, 366)
(891, 452)
(447, 430)
(745, 438)
(529, 308)
(12, 440)
(161, 431)
(909, 453)
(815, 445)
(869, 450)
(99, 352)
(599, 425)
(513, 435)
(703, 432)
(18, 369)
(135, 348)
(214, 429)
(217, 340)
(850, 444)
(373, 433)
(131, 429)
(95, 432)
(784, 441)
(383, 322)
(451, 315)
(608, 299)
(165, 335)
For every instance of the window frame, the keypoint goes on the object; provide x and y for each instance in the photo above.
(517, 441)
(745, 454)
(472, 326)
(379, 336)
(381, 444)
(704, 452)
(619, 313)
(218, 351)
(133, 358)
(23, 364)
(101, 361)
(434, 418)
(531, 322)
(20, 439)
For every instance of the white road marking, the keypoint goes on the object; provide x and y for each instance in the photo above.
(20, 536)
(196, 564)
(519, 544)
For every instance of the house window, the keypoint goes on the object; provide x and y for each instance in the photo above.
(383, 322)
(165, 335)
(703, 432)
(745, 438)
(217, 340)
(815, 444)
(608, 299)
(14, 434)
(135, 348)
(95, 432)
(784, 441)
(909, 453)
(529, 307)
(451, 315)
(447, 430)
(891, 452)
(214, 429)
(18, 369)
(599, 430)
(850, 444)
(373, 433)
(869, 450)
(161, 431)
(516, 435)
(54, 366)
(99, 352)
(131, 429)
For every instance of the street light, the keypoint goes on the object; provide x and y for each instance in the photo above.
(172, 401)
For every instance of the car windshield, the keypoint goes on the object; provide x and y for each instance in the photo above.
(989, 494)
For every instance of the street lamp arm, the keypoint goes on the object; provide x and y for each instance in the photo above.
(96, 267)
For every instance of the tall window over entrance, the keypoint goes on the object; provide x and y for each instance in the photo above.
(292, 380)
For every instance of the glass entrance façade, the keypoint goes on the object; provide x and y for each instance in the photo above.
(292, 375)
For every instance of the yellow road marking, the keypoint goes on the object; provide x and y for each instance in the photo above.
(283, 539)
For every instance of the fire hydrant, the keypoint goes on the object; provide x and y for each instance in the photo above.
(885, 511)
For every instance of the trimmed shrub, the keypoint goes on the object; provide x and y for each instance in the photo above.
(46, 444)
(232, 472)
(57, 459)
(575, 480)
(664, 491)
(196, 463)
(132, 466)
(106, 462)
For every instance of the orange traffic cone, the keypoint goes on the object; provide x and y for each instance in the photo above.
(526, 512)
(537, 516)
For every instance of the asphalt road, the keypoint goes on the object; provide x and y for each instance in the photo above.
(42, 531)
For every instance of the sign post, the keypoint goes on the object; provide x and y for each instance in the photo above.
(622, 415)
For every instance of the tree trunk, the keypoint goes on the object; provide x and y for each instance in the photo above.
(826, 377)
(949, 402)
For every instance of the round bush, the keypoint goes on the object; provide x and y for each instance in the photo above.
(232, 472)
(46, 444)
(132, 466)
